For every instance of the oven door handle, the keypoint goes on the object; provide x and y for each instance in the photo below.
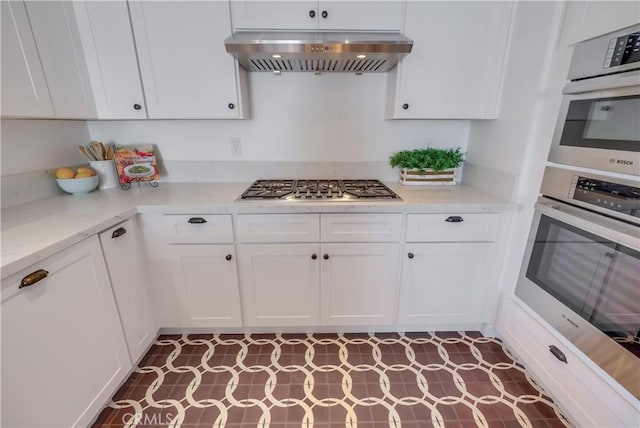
(604, 83)
(614, 230)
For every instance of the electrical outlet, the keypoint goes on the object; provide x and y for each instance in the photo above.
(236, 146)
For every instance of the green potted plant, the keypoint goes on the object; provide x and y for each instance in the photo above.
(428, 167)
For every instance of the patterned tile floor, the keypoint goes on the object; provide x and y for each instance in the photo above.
(407, 380)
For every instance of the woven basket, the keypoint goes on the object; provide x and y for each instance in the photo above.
(428, 177)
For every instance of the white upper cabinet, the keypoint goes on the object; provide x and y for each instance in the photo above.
(587, 19)
(312, 15)
(24, 87)
(455, 68)
(110, 54)
(69, 60)
(55, 32)
(186, 72)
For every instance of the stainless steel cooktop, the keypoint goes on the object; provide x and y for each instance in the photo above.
(318, 190)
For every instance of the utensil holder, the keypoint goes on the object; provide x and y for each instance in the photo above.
(107, 173)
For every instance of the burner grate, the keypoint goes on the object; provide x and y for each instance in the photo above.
(318, 190)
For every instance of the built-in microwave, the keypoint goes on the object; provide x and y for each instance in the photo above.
(599, 124)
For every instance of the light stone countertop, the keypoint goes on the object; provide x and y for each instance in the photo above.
(36, 230)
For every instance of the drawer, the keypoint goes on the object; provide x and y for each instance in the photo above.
(452, 227)
(278, 227)
(198, 229)
(577, 387)
(361, 227)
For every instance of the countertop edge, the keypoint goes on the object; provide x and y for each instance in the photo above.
(59, 216)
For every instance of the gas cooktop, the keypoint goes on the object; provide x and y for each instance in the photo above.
(319, 190)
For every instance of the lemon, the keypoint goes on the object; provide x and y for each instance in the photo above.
(84, 175)
(84, 170)
(64, 173)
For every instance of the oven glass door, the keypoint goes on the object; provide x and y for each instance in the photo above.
(598, 279)
(610, 123)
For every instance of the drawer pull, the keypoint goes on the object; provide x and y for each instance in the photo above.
(454, 219)
(326, 257)
(314, 256)
(558, 353)
(228, 257)
(197, 220)
(33, 277)
(410, 255)
(118, 232)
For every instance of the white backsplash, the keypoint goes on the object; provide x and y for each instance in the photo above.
(229, 171)
(28, 187)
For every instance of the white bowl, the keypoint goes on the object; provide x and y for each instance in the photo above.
(78, 186)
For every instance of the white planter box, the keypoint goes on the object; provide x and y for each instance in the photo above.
(428, 177)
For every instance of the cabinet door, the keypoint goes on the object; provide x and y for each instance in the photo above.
(56, 34)
(587, 19)
(280, 284)
(107, 41)
(363, 16)
(206, 282)
(24, 87)
(291, 15)
(455, 68)
(444, 283)
(359, 283)
(124, 262)
(63, 350)
(186, 72)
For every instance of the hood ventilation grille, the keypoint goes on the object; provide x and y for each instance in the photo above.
(318, 52)
(317, 65)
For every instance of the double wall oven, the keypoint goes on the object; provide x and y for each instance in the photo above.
(581, 270)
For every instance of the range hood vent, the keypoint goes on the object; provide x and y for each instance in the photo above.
(318, 51)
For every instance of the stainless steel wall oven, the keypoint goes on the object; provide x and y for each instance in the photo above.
(581, 269)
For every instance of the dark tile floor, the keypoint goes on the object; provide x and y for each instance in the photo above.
(457, 379)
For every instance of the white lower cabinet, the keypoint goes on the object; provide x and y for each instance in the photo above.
(288, 278)
(359, 283)
(206, 280)
(448, 269)
(123, 257)
(63, 351)
(444, 283)
(280, 284)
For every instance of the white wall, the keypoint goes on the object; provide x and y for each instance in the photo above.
(294, 117)
(519, 141)
(34, 145)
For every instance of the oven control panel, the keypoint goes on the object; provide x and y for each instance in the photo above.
(623, 50)
(605, 194)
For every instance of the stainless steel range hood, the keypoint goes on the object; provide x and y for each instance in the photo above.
(318, 51)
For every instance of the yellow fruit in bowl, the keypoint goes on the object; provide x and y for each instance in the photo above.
(83, 170)
(64, 173)
(84, 174)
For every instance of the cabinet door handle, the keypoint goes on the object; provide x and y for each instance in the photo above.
(137, 106)
(231, 106)
(558, 353)
(314, 256)
(326, 257)
(454, 219)
(410, 255)
(197, 220)
(118, 232)
(325, 14)
(33, 277)
(312, 14)
(405, 106)
(228, 257)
